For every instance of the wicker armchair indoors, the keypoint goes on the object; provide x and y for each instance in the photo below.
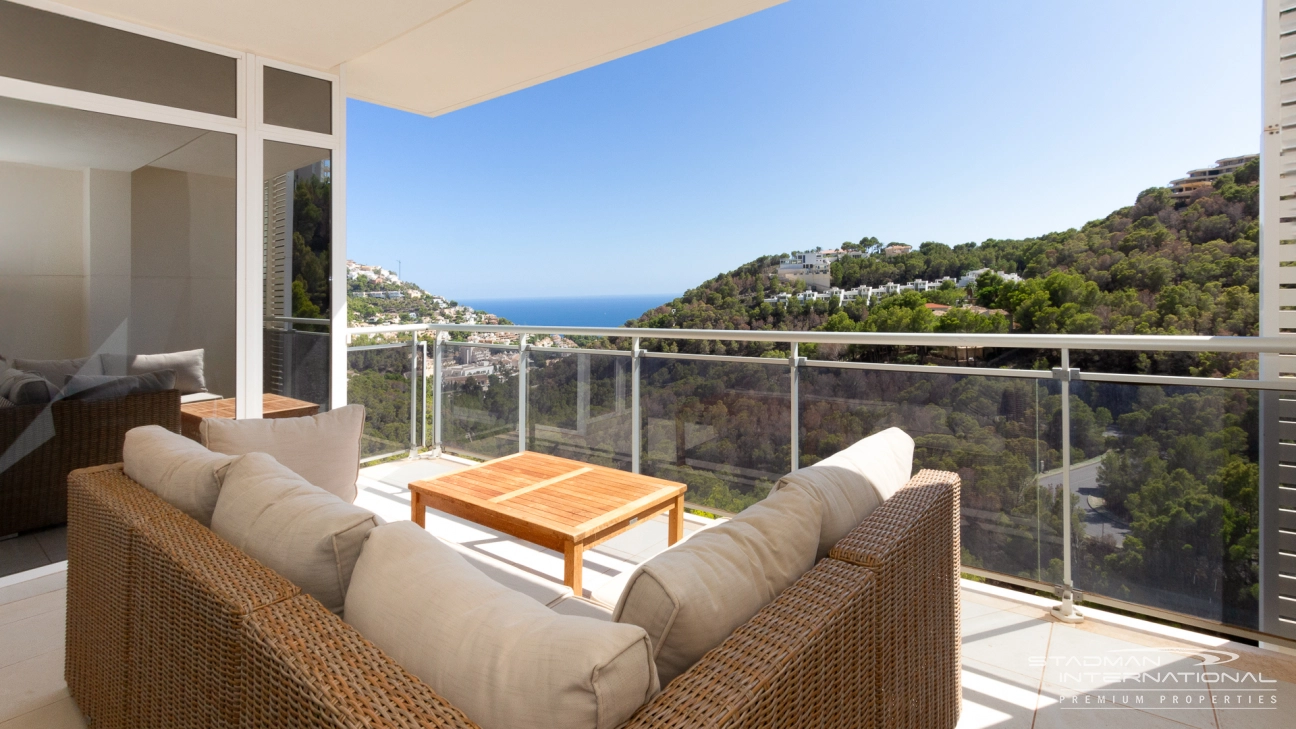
(168, 625)
(41, 444)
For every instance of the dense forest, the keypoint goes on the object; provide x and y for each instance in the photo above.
(1166, 508)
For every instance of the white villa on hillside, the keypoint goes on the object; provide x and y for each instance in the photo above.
(810, 267)
(970, 277)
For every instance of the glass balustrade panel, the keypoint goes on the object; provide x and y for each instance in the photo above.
(1002, 435)
(578, 407)
(1166, 497)
(722, 428)
(479, 400)
(380, 380)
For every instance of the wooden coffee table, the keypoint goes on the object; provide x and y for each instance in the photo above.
(272, 406)
(564, 505)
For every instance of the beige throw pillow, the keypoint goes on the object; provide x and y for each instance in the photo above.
(307, 535)
(180, 471)
(853, 482)
(188, 367)
(324, 449)
(506, 660)
(695, 594)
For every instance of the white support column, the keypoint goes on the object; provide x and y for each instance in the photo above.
(250, 259)
(338, 254)
(1277, 294)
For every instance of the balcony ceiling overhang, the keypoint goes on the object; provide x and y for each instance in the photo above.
(433, 56)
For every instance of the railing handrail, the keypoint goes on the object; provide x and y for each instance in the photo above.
(1118, 342)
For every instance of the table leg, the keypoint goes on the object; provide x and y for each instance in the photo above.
(676, 521)
(573, 563)
(418, 512)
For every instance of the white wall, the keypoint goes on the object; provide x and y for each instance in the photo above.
(108, 260)
(182, 260)
(42, 262)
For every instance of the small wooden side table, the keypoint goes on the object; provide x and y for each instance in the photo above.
(564, 505)
(272, 406)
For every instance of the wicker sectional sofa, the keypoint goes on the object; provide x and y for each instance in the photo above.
(171, 626)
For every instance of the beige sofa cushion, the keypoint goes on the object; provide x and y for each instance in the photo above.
(181, 472)
(324, 449)
(301, 531)
(853, 482)
(507, 661)
(692, 596)
(586, 608)
(544, 591)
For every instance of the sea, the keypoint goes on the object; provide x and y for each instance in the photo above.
(583, 311)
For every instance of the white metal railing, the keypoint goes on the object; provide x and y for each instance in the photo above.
(1063, 375)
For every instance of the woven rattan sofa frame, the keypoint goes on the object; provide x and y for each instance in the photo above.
(41, 444)
(170, 626)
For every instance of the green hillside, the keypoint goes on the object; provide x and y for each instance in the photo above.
(1154, 267)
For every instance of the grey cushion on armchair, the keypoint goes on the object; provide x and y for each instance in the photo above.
(107, 387)
(58, 371)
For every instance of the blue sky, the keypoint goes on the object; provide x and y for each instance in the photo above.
(808, 124)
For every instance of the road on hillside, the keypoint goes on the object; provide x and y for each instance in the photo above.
(1086, 491)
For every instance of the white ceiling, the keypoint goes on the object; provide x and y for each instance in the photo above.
(434, 56)
(53, 136)
(213, 153)
(281, 157)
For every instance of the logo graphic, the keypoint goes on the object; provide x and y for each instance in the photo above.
(1205, 656)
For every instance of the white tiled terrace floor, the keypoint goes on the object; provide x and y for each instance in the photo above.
(1021, 668)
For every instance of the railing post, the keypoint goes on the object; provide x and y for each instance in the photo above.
(795, 379)
(436, 393)
(522, 392)
(636, 417)
(1066, 611)
(414, 390)
(423, 358)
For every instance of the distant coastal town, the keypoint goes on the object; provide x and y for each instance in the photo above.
(377, 297)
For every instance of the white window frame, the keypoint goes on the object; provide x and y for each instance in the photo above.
(335, 143)
(250, 134)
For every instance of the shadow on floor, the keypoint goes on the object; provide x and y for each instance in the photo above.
(34, 549)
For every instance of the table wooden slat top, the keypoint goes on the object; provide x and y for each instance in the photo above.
(554, 502)
(272, 406)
